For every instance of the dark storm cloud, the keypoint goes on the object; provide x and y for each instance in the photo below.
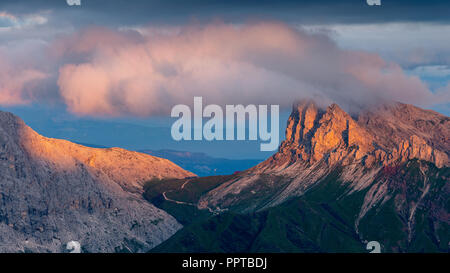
(118, 12)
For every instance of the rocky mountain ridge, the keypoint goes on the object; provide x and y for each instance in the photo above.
(54, 191)
(320, 141)
(337, 182)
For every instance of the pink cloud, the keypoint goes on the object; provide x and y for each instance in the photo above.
(126, 73)
(146, 72)
(17, 83)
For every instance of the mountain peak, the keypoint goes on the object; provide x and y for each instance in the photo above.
(386, 134)
(313, 134)
(334, 108)
(129, 169)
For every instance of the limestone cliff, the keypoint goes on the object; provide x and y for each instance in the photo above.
(386, 135)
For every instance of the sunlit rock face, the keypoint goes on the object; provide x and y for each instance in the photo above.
(385, 135)
(313, 134)
(326, 140)
(54, 191)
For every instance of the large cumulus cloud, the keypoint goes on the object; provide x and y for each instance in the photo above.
(146, 71)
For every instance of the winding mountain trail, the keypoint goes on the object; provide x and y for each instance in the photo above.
(213, 211)
(164, 194)
(175, 201)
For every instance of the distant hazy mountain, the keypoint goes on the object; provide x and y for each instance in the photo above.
(336, 183)
(54, 191)
(202, 164)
